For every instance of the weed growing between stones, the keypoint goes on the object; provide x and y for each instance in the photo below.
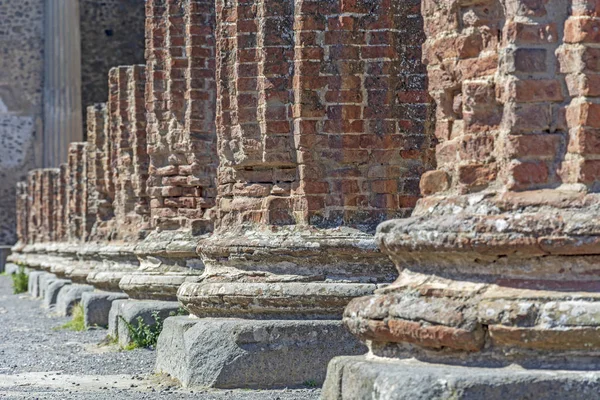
(20, 281)
(142, 335)
(310, 383)
(77, 322)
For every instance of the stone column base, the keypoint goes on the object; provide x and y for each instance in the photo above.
(166, 260)
(358, 378)
(260, 354)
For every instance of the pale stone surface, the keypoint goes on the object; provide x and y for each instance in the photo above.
(68, 297)
(11, 268)
(358, 378)
(236, 353)
(97, 305)
(33, 285)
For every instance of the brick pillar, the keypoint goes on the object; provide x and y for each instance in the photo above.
(322, 128)
(180, 104)
(129, 156)
(497, 261)
(100, 210)
(34, 202)
(117, 175)
(49, 192)
(61, 203)
(75, 193)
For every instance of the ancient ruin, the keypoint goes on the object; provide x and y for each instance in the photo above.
(272, 162)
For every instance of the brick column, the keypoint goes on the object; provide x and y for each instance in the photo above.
(181, 143)
(322, 128)
(497, 262)
(49, 192)
(117, 175)
(100, 210)
(76, 202)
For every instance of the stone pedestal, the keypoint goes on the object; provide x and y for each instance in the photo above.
(250, 354)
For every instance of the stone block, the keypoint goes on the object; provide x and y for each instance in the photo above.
(239, 353)
(97, 305)
(44, 281)
(33, 285)
(130, 310)
(52, 290)
(11, 269)
(68, 297)
(358, 378)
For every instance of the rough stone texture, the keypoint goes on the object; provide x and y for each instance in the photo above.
(361, 378)
(53, 288)
(251, 354)
(130, 310)
(97, 305)
(21, 79)
(181, 96)
(78, 228)
(68, 297)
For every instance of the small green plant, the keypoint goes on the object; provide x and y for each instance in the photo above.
(311, 383)
(20, 281)
(76, 323)
(143, 335)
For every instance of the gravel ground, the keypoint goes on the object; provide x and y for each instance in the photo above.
(39, 361)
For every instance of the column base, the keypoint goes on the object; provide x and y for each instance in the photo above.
(355, 378)
(281, 273)
(166, 260)
(242, 353)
